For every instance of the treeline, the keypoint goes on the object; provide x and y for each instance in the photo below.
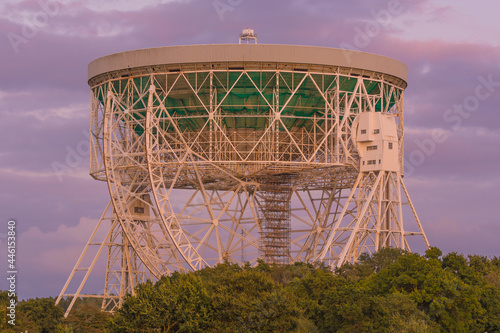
(391, 291)
(41, 315)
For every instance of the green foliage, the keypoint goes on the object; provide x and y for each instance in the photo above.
(41, 314)
(389, 291)
(86, 317)
(238, 294)
(393, 291)
(443, 295)
(226, 298)
(404, 315)
(178, 303)
(433, 253)
(4, 303)
(368, 265)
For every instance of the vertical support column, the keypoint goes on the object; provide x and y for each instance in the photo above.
(80, 264)
(275, 221)
(211, 118)
(118, 272)
(378, 222)
(124, 270)
(276, 117)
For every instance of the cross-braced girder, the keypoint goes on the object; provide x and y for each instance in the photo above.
(123, 269)
(244, 161)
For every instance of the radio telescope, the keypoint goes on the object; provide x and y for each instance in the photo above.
(245, 151)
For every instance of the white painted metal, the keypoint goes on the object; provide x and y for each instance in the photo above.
(191, 196)
(123, 269)
(248, 36)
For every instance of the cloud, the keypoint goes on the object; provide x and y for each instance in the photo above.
(39, 199)
(456, 212)
(45, 106)
(47, 125)
(471, 153)
(50, 256)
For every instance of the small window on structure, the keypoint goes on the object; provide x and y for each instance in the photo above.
(371, 162)
(371, 148)
(363, 131)
(139, 210)
(377, 131)
(390, 145)
(379, 161)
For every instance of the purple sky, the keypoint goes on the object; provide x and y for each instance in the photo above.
(451, 49)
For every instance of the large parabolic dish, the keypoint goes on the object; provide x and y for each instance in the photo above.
(240, 152)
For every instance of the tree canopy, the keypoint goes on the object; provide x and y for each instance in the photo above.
(389, 291)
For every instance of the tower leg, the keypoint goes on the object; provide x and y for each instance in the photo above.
(378, 221)
(122, 270)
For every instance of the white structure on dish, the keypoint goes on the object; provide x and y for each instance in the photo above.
(241, 152)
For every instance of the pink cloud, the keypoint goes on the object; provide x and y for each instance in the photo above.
(44, 98)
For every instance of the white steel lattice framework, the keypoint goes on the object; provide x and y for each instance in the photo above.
(240, 152)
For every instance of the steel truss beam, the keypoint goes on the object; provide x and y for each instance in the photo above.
(123, 269)
(378, 221)
(188, 175)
